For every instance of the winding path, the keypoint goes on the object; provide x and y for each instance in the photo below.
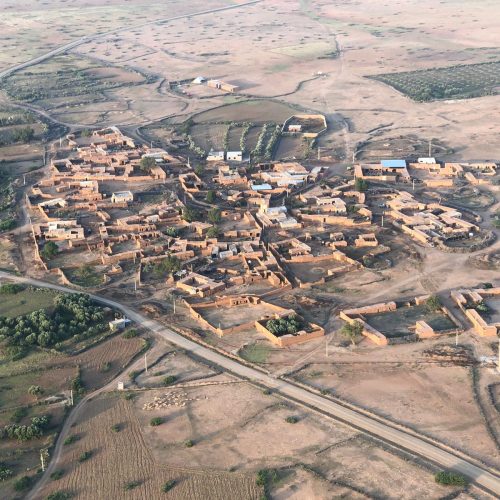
(486, 478)
(89, 38)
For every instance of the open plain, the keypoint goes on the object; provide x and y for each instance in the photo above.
(296, 205)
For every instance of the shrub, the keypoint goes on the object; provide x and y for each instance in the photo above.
(291, 420)
(211, 196)
(450, 478)
(169, 379)
(19, 414)
(131, 485)
(10, 288)
(133, 374)
(7, 224)
(155, 421)
(59, 495)
(116, 428)
(214, 215)
(265, 476)
(84, 456)
(352, 331)
(128, 396)
(213, 232)
(168, 486)
(5, 472)
(189, 443)
(433, 303)
(105, 367)
(71, 439)
(49, 250)
(58, 474)
(267, 392)
(23, 483)
(130, 334)
(360, 185)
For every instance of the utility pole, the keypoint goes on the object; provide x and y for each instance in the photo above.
(189, 164)
(413, 183)
(456, 338)
(146, 363)
(430, 148)
(71, 397)
(498, 367)
(382, 219)
(135, 285)
(319, 153)
(174, 305)
(24, 179)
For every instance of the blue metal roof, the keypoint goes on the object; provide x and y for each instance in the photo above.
(393, 163)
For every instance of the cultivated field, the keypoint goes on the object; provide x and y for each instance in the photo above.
(454, 82)
(126, 454)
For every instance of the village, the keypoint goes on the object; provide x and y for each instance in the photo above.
(232, 235)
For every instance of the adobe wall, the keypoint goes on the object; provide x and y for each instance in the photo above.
(288, 340)
(332, 219)
(480, 325)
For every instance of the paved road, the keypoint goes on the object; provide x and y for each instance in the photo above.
(487, 479)
(85, 39)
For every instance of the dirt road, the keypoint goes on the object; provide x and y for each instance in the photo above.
(488, 479)
(85, 39)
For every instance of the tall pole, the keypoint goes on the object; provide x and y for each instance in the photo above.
(24, 179)
(71, 397)
(174, 305)
(498, 367)
(146, 363)
(42, 460)
(319, 153)
(413, 183)
(382, 219)
(430, 148)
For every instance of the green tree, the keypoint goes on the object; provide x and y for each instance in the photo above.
(173, 232)
(189, 214)
(352, 331)
(35, 390)
(147, 163)
(360, 185)
(49, 250)
(214, 215)
(211, 196)
(213, 232)
(155, 421)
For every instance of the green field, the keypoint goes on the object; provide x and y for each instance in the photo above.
(454, 82)
(255, 353)
(25, 302)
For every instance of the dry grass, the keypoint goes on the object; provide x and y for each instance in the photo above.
(121, 457)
